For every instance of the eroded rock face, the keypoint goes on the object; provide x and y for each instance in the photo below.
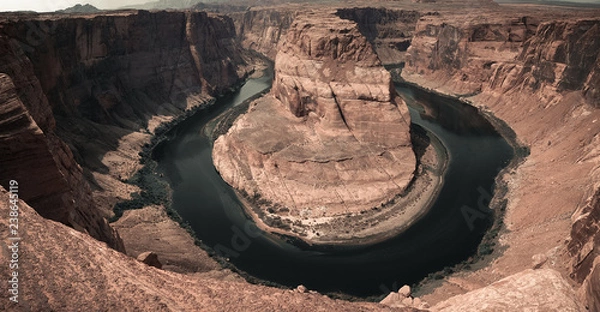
(583, 247)
(566, 56)
(262, 29)
(39, 161)
(592, 288)
(92, 86)
(89, 67)
(465, 53)
(503, 54)
(332, 138)
(584, 241)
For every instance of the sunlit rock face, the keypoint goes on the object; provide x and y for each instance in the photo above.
(332, 137)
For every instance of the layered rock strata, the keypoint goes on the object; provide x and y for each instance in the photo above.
(537, 73)
(389, 31)
(332, 139)
(34, 156)
(262, 29)
(96, 87)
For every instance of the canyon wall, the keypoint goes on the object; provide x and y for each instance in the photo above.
(462, 54)
(262, 29)
(389, 31)
(95, 87)
(539, 73)
(117, 68)
(35, 157)
(509, 54)
(583, 249)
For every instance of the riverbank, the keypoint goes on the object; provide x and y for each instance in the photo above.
(146, 220)
(351, 229)
(540, 194)
(180, 166)
(490, 247)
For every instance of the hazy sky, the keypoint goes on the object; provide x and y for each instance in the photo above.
(53, 5)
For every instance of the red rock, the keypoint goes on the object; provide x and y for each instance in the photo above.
(150, 258)
(332, 138)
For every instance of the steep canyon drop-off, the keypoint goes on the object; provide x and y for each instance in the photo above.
(77, 100)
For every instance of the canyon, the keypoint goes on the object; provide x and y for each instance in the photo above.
(82, 94)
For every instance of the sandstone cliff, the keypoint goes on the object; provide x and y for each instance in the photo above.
(101, 84)
(583, 249)
(332, 139)
(389, 31)
(538, 73)
(34, 156)
(262, 29)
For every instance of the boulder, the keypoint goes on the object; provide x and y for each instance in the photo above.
(150, 258)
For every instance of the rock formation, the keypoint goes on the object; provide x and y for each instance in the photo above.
(538, 73)
(262, 30)
(99, 83)
(92, 277)
(389, 31)
(332, 138)
(583, 248)
(150, 258)
(37, 159)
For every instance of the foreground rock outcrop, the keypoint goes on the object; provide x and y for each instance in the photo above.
(61, 269)
(332, 138)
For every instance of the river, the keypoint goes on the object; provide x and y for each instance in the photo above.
(448, 234)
